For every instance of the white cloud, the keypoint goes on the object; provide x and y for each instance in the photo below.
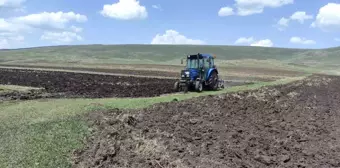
(173, 37)
(48, 20)
(282, 24)
(301, 16)
(56, 26)
(12, 36)
(244, 40)
(328, 18)
(157, 7)
(125, 10)
(299, 40)
(337, 39)
(61, 37)
(12, 29)
(263, 43)
(6, 26)
(249, 7)
(76, 29)
(226, 11)
(252, 42)
(7, 38)
(11, 3)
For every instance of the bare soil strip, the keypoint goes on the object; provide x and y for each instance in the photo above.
(292, 125)
(93, 71)
(113, 71)
(157, 71)
(67, 84)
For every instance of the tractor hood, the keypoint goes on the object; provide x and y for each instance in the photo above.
(190, 73)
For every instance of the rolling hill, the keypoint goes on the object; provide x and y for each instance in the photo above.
(165, 54)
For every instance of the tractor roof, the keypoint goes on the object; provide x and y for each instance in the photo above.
(201, 56)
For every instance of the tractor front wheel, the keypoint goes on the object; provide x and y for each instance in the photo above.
(198, 86)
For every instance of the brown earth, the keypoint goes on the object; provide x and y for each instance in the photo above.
(172, 71)
(293, 125)
(105, 70)
(87, 85)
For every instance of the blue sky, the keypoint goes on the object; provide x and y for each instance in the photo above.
(270, 23)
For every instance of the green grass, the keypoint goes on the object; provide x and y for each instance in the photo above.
(10, 88)
(42, 133)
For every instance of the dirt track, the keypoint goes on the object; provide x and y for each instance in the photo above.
(294, 125)
(87, 85)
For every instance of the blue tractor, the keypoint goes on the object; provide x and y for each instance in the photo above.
(199, 74)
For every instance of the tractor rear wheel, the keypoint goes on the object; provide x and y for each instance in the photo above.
(198, 86)
(213, 81)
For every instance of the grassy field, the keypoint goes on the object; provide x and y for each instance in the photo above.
(166, 54)
(43, 133)
(145, 53)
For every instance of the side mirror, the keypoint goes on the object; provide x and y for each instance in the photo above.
(181, 61)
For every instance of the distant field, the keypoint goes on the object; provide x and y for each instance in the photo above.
(234, 62)
(164, 54)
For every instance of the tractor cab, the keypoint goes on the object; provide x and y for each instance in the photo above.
(199, 72)
(197, 66)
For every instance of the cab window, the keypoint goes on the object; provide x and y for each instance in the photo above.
(192, 63)
(201, 63)
(206, 64)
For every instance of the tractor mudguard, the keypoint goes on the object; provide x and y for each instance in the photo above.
(209, 73)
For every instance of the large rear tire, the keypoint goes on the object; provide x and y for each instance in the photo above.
(213, 81)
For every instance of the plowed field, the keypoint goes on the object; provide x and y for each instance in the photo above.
(293, 125)
(115, 71)
(68, 84)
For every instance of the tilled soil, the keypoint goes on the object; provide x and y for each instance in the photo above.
(87, 85)
(116, 71)
(293, 125)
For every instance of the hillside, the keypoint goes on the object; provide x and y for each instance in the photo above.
(163, 54)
